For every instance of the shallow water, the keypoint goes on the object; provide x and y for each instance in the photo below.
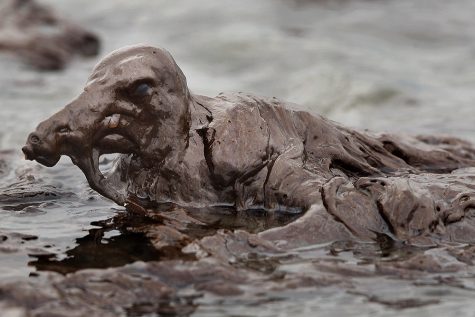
(403, 66)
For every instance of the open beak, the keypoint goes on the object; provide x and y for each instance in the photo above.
(88, 162)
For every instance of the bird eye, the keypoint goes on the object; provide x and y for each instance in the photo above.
(142, 90)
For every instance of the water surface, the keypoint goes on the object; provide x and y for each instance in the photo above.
(399, 66)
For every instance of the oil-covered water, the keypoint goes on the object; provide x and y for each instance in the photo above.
(402, 66)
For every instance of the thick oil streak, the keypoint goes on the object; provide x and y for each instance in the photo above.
(123, 240)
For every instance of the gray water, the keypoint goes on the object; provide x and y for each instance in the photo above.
(399, 66)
